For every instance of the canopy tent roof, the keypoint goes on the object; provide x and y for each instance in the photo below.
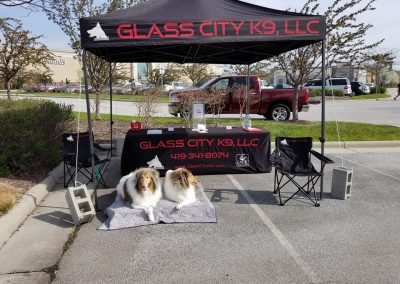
(198, 31)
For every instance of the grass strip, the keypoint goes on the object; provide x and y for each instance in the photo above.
(349, 131)
(370, 97)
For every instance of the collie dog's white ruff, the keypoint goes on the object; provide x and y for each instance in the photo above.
(179, 187)
(141, 189)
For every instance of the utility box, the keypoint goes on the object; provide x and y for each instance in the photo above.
(342, 180)
(80, 204)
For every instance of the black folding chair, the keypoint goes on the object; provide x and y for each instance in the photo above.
(292, 159)
(84, 163)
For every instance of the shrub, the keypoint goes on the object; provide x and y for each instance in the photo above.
(30, 135)
(338, 93)
(147, 108)
(381, 90)
(8, 197)
(328, 92)
(315, 93)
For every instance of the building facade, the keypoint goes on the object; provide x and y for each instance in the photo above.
(66, 67)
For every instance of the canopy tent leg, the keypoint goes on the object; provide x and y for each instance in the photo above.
(322, 139)
(111, 112)
(90, 128)
(248, 90)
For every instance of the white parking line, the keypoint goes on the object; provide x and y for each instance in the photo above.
(275, 231)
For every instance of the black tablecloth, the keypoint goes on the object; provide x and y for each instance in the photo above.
(220, 151)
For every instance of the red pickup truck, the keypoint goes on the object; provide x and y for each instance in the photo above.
(275, 104)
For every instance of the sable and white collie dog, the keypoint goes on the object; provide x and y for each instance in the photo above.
(141, 189)
(179, 187)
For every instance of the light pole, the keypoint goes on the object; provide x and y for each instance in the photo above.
(162, 72)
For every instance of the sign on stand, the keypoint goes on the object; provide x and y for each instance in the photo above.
(198, 116)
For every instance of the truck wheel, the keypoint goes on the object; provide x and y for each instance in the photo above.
(279, 112)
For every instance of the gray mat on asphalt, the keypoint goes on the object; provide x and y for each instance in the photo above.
(120, 215)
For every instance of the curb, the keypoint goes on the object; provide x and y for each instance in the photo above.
(10, 222)
(359, 144)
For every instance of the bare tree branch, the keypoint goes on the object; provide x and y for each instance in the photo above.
(345, 42)
(13, 3)
(196, 72)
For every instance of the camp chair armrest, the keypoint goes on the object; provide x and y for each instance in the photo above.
(321, 157)
(274, 158)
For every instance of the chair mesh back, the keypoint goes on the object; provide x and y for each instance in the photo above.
(69, 147)
(294, 154)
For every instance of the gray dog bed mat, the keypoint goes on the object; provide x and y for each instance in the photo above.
(120, 215)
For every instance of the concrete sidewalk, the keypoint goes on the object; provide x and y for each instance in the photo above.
(33, 253)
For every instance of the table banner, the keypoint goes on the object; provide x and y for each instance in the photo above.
(219, 151)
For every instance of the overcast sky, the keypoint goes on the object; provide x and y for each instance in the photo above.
(386, 21)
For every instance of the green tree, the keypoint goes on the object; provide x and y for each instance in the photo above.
(389, 78)
(43, 77)
(18, 50)
(345, 42)
(99, 77)
(259, 68)
(171, 73)
(376, 63)
(196, 72)
(66, 14)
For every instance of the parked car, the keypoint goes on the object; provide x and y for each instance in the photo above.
(122, 89)
(69, 88)
(370, 85)
(144, 86)
(175, 85)
(35, 88)
(201, 82)
(39, 88)
(72, 89)
(49, 88)
(342, 84)
(59, 89)
(275, 104)
(359, 89)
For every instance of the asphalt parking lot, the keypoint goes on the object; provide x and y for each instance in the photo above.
(255, 240)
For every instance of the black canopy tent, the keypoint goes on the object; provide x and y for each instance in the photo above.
(199, 31)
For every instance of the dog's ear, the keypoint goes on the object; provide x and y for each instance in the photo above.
(192, 180)
(138, 178)
(155, 177)
(155, 173)
(184, 176)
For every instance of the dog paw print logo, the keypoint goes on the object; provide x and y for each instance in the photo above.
(242, 160)
(98, 33)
